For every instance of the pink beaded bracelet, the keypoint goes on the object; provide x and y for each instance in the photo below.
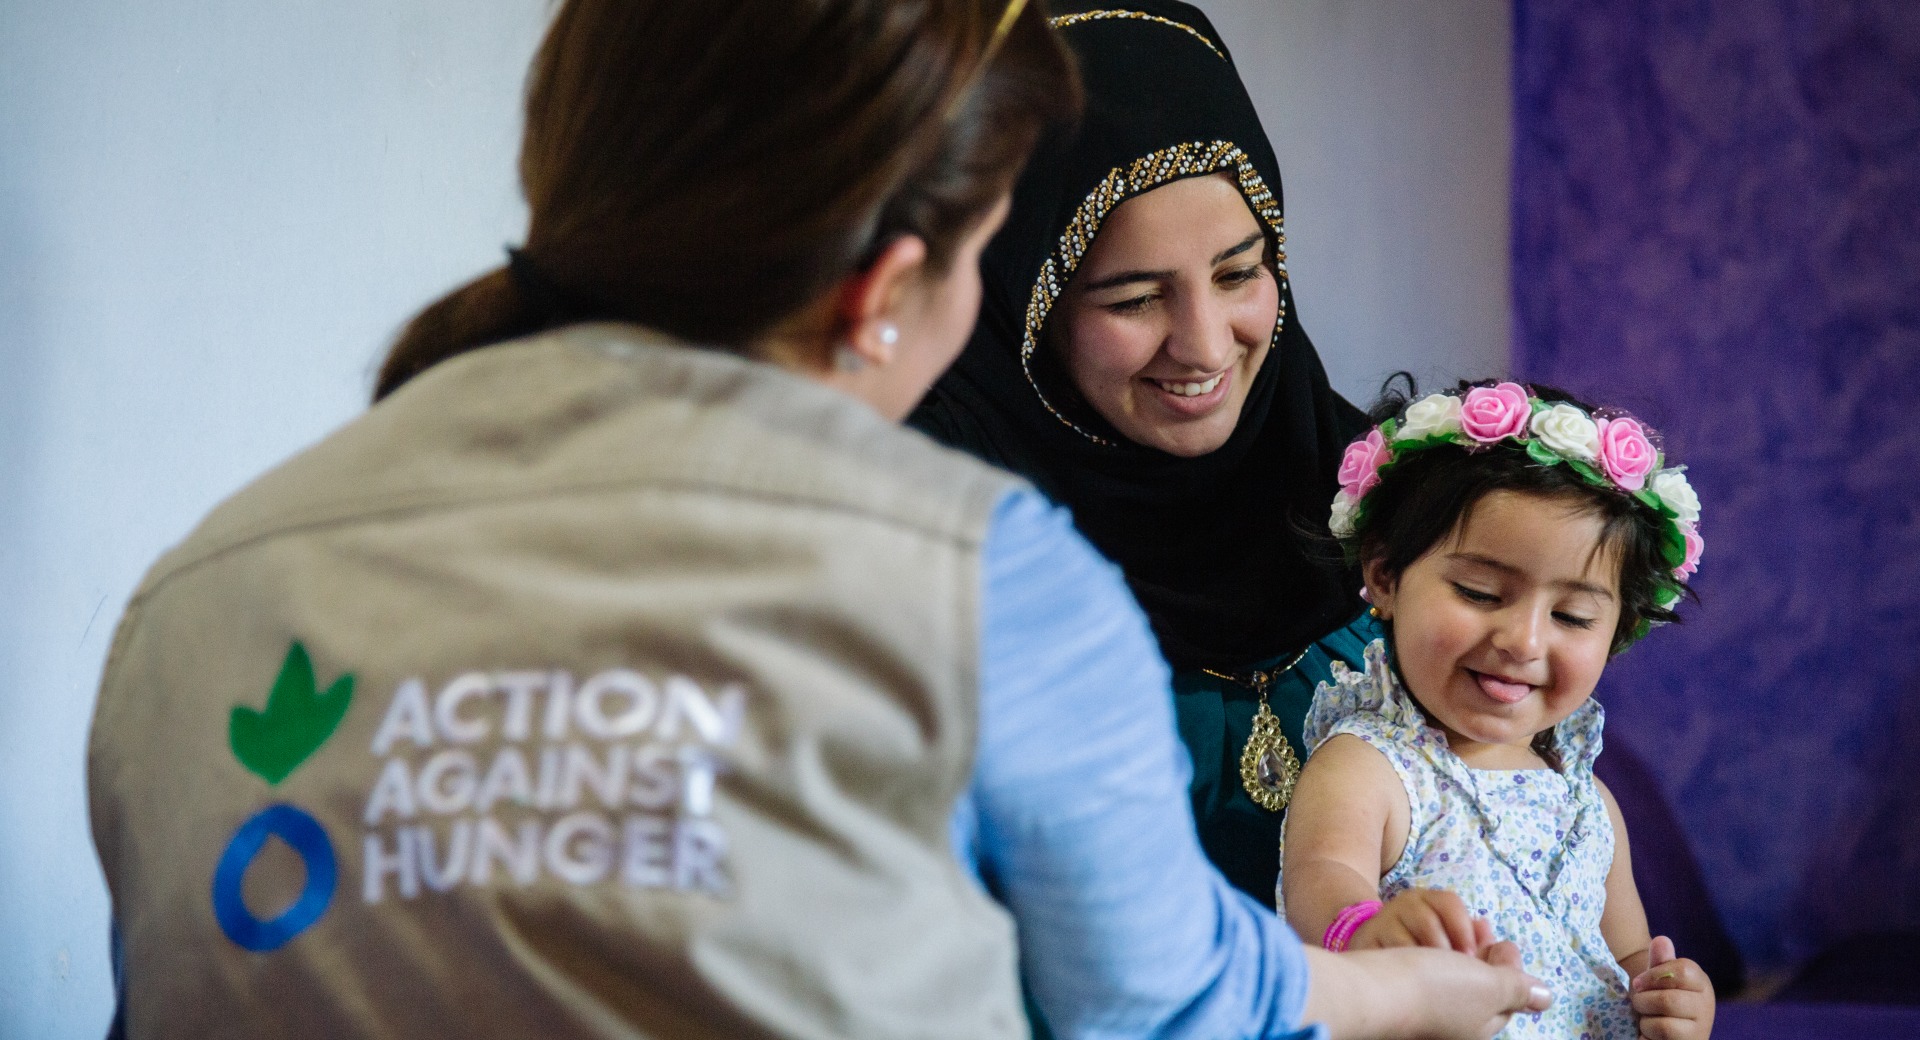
(1347, 922)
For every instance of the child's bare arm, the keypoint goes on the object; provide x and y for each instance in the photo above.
(1346, 828)
(1672, 995)
(1341, 833)
(1623, 922)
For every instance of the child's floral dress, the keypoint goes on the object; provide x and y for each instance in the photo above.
(1527, 849)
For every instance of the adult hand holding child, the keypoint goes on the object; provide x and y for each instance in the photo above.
(1411, 992)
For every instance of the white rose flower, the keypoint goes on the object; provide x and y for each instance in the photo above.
(1568, 431)
(1432, 414)
(1341, 522)
(1676, 494)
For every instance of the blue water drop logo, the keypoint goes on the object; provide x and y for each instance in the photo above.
(306, 837)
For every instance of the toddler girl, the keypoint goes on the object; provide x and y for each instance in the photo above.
(1511, 542)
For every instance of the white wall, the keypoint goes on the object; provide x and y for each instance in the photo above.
(214, 215)
(1393, 123)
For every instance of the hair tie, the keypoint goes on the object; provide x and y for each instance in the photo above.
(532, 284)
(552, 304)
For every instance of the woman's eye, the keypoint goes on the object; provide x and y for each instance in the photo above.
(1131, 305)
(1473, 595)
(1241, 275)
(1573, 620)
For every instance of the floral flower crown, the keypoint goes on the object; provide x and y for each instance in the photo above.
(1608, 449)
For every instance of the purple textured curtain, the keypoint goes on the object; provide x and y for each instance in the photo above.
(1717, 225)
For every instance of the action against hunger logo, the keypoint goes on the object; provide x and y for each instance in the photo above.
(273, 743)
(444, 812)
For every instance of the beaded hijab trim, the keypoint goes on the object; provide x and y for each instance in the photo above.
(1150, 171)
(1062, 21)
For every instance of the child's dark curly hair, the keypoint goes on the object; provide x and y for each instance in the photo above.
(1424, 496)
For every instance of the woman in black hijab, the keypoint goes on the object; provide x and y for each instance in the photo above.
(1200, 461)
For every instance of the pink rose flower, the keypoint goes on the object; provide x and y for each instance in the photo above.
(1360, 467)
(1625, 453)
(1695, 546)
(1493, 413)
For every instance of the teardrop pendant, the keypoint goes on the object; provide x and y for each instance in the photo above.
(1273, 772)
(1268, 766)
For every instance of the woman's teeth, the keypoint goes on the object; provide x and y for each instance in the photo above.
(1190, 389)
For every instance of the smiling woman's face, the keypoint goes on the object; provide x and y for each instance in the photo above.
(1170, 315)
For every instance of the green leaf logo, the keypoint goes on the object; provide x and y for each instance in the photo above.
(298, 719)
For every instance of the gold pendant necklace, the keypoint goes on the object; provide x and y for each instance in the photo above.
(1268, 766)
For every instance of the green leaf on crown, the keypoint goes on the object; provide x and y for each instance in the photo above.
(1421, 443)
(1658, 504)
(1673, 546)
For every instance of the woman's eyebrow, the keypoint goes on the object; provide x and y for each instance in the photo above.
(1245, 244)
(1154, 276)
(1124, 277)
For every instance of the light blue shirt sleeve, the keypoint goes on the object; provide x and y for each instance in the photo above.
(1078, 818)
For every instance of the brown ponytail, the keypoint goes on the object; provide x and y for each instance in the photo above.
(708, 167)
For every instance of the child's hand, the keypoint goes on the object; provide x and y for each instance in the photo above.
(1427, 917)
(1673, 997)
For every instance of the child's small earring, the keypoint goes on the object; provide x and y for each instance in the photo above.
(1373, 612)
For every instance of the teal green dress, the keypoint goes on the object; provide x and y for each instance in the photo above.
(1216, 718)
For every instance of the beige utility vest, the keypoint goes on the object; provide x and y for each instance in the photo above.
(589, 686)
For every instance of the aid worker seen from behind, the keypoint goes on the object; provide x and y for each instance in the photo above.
(628, 671)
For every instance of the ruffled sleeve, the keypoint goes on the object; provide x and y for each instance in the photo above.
(1374, 693)
(1577, 738)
